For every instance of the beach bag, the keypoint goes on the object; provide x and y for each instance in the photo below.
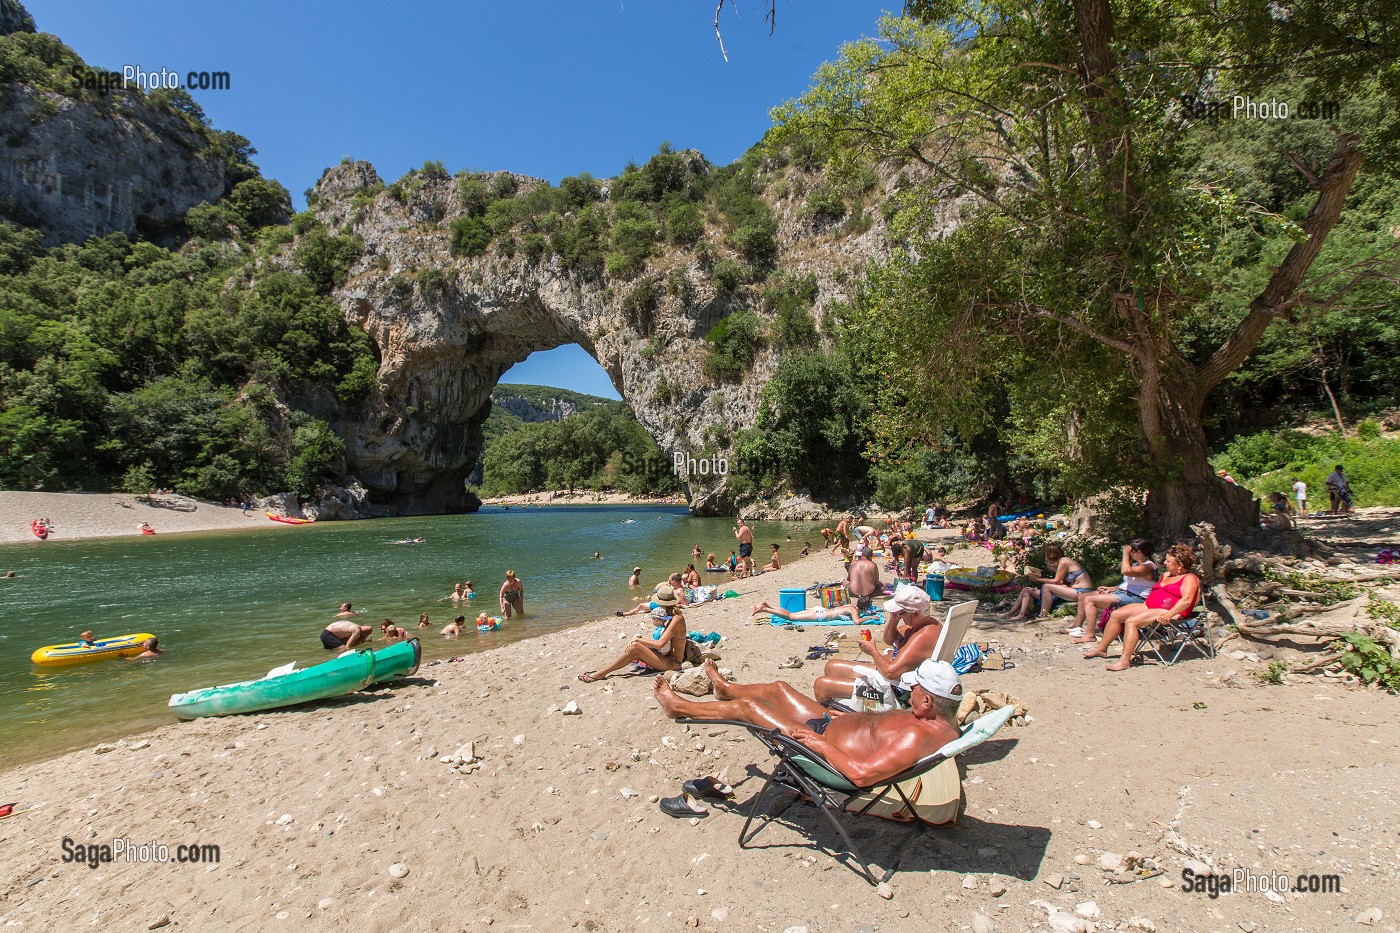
(833, 596)
(935, 794)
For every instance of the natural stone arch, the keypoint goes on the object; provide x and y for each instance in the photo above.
(447, 328)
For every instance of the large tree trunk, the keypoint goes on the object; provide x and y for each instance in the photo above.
(1185, 489)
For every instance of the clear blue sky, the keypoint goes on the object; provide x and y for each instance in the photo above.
(548, 89)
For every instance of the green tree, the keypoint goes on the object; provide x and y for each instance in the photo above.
(1091, 226)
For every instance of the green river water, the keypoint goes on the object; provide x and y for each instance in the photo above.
(230, 606)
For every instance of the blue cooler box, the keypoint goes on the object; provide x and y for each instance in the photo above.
(933, 584)
(792, 600)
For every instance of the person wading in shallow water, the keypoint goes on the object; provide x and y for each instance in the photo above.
(512, 595)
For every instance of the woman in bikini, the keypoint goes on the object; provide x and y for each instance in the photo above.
(1068, 581)
(691, 577)
(1174, 597)
(661, 654)
(512, 595)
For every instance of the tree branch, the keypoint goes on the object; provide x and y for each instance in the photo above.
(1281, 293)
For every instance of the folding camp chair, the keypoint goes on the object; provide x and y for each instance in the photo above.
(1161, 639)
(806, 775)
(955, 626)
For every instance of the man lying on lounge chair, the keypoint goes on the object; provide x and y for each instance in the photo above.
(909, 629)
(865, 747)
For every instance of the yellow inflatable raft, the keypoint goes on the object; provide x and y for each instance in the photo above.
(123, 646)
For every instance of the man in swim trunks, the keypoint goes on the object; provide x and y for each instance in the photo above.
(744, 534)
(345, 611)
(909, 629)
(343, 634)
(863, 580)
(865, 747)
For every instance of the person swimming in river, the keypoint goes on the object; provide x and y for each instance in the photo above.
(423, 620)
(457, 593)
(710, 563)
(636, 578)
(389, 630)
(152, 650)
(454, 628)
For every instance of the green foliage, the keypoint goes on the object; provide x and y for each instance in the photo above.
(1269, 461)
(790, 300)
(1273, 674)
(138, 479)
(1371, 661)
(733, 346)
(318, 456)
(684, 224)
(1383, 610)
(602, 448)
(640, 305)
(810, 430)
(325, 260)
(728, 275)
(471, 236)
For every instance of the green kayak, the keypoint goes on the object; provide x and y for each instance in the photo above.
(345, 674)
(397, 660)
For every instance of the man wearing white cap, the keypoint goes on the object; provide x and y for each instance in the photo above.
(865, 747)
(869, 686)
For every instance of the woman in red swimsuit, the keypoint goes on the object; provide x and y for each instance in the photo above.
(1173, 597)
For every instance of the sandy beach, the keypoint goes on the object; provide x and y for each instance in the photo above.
(78, 515)
(581, 496)
(342, 814)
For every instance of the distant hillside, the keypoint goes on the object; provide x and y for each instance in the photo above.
(513, 406)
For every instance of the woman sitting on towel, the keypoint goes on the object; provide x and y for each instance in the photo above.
(1174, 597)
(661, 654)
(691, 577)
(1067, 581)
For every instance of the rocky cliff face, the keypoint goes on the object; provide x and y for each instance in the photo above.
(447, 328)
(521, 407)
(84, 164)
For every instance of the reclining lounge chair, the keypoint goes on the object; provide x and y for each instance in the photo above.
(806, 775)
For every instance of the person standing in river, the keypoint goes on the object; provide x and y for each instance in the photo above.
(512, 595)
(744, 535)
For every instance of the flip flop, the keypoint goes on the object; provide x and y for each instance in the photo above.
(822, 649)
(589, 677)
(684, 805)
(708, 787)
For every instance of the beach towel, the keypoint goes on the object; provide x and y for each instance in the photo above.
(874, 616)
(967, 658)
(833, 596)
(695, 595)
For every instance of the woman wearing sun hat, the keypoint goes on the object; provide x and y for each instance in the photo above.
(662, 654)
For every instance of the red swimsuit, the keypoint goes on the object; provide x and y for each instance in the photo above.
(1167, 595)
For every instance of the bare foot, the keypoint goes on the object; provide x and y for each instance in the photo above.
(1122, 665)
(721, 685)
(1095, 654)
(665, 695)
(1087, 639)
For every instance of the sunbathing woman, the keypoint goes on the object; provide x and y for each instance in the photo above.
(774, 562)
(691, 577)
(662, 654)
(1138, 575)
(1173, 597)
(1068, 581)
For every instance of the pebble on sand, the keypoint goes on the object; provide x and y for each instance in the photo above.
(398, 870)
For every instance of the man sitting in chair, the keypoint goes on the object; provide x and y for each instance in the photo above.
(865, 747)
(869, 685)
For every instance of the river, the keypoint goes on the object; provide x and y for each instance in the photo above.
(230, 606)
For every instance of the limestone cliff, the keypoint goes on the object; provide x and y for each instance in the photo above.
(80, 162)
(446, 327)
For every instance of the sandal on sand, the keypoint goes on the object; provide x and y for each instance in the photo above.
(707, 787)
(684, 805)
(589, 677)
